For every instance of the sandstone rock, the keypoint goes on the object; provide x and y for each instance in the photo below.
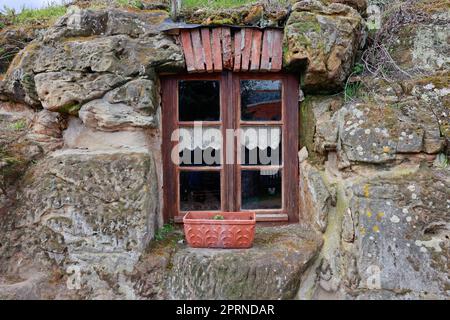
(315, 198)
(78, 136)
(358, 5)
(246, 274)
(120, 55)
(402, 239)
(348, 227)
(262, 15)
(21, 289)
(322, 40)
(319, 128)
(370, 133)
(67, 91)
(92, 211)
(424, 46)
(105, 116)
(141, 94)
(12, 41)
(86, 22)
(46, 130)
(16, 150)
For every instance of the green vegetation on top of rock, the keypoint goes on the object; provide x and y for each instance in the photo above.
(46, 15)
(163, 232)
(215, 4)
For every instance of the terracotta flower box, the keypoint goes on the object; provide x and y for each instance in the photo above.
(235, 230)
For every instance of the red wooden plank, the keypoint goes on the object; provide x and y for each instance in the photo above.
(277, 51)
(198, 50)
(187, 49)
(238, 37)
(256, 50)
(266, 50)
(247, 49)
(227, 49)
(206, 40)
(217, 49)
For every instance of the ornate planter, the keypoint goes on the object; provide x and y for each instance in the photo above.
(236, 230)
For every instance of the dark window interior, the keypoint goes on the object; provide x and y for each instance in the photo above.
(261, 189)
(199, 190)
(199, 100)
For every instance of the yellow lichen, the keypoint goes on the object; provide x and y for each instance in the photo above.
(366, 191)
(380, 215)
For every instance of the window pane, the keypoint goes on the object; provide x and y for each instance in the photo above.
(199, 190)
(260, 100)
(261, 189)
(199, 100)
(261, 145)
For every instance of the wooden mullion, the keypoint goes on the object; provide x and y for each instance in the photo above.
(290, 147)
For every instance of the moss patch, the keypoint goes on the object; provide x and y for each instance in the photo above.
(217, 4)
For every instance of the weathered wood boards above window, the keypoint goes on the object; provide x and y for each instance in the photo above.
(240, 50)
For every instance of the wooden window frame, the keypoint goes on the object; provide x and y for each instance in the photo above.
(230, 118)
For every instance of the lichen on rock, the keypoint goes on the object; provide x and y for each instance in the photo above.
(322, 41)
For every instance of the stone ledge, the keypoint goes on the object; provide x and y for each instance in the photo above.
(272, 269)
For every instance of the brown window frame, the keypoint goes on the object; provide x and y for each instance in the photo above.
(230, 118)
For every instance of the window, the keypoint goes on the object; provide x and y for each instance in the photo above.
(230, 144)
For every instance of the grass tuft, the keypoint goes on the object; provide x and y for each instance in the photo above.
(136, 4)
(34, 16)
(162, 233)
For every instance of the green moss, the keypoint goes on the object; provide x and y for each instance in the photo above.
(70, 109)
(136, 4)
(18, 125)
(164, 231)
(352, 90)
(215, 4)
(307, 124)
(439, 80)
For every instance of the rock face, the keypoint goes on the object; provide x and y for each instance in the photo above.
(81, 169)
(246, 274)
(384, 150)
(264, 14)
(316, 198)
(323, 40)
(404, 222)
(67, 91)
(72, 66)
(93, 212)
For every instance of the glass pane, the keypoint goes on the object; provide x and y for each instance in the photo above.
(261, 189)
(199, 100)
(199, 190)
(260, 100)
(200, 146)
(261, 145)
